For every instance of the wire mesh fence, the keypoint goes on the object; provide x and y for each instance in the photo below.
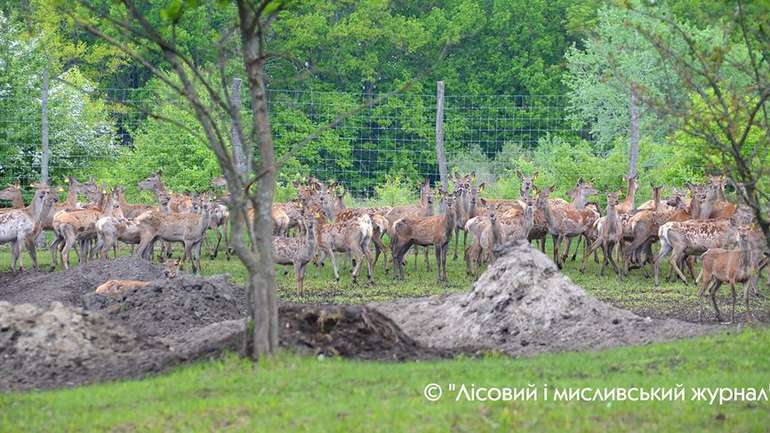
(394, 138)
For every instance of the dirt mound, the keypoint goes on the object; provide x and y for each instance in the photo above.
(523, 305)
(349, 331)
(42, 288)
(62, 346)
(168, 307)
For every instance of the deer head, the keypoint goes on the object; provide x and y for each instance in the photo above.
(152, 183)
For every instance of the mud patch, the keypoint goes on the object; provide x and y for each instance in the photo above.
(523, 305)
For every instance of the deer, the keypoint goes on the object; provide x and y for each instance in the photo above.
(297, 251)
(609, 234)
(425, 208)
(107, 228)
(433, 230)
(740, 265)
(493, 230)
(76, 226)
(119, 287)
(642, 228)
(130, 211)
(13, 194)
(566, 221)
(169, 226)
(351, 234)
(627, 205)
(180, 203)
(719, 207)
(22, 226)
(694, 237)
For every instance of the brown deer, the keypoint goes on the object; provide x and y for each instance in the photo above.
(107, 228)
(627, 205)
(719, 207)
(180, 203)
(12, 193)
(567, 221)
(119, 287)
(643, 229)
(740, 265)
(425, 231)
(491, 231)
(297, 251)
(22, 226)
(694, 237)
(187, 228)
(130, 211)
(609, 234)
(76, 228)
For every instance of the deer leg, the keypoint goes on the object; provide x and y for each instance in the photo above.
(427, 259)
(298, 273)
(664, 251)
(691, 266)
(732, 290)
(369, 264)
(330, 253)
(587, 254)
(674, 260)
(746, 287)
(577, 247)
(31, 249)
(713, 295)
(15, 254)
(610, 247)
(438, 263)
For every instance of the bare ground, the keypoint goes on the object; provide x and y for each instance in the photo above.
(523, 305)
(54, 331)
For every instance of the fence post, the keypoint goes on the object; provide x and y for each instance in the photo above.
(633, 151)
(440, 155)
(241, 162)
(44, 130)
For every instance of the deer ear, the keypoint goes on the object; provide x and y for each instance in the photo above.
(482, 186)
(535, 175)
(483, 201)
(519, 174)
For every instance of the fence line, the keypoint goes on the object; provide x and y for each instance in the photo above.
(396, 137)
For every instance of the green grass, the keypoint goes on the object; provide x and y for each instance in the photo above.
(292, 393)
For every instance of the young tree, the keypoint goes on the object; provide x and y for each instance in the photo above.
(727, 77)
(243, 33)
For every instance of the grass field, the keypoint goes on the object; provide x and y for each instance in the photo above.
(293, 393)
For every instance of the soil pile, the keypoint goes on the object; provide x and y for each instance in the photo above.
(523, 305)
(42, 288)
(64, 346)
(64, 334)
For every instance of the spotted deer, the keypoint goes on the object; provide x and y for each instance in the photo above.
(187, 228)
(297, 251)
(425, 231)
(22, 226)
(693, 237)
(75, 228)
(566, 221)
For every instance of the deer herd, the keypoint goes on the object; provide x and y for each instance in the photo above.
(317, 225)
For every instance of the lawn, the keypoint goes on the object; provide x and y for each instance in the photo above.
(293, 393)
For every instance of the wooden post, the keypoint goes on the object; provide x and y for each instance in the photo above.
(440, 155)
(240, 159)
(633, 151)
(44, 130)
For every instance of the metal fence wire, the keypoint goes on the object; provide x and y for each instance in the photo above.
(394, 138)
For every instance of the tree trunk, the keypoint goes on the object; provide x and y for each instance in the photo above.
(44, 130)
(440, 155)
(263, 303)
(633, 151)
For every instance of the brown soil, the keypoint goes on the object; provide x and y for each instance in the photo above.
(56, 332)
(523, 305)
